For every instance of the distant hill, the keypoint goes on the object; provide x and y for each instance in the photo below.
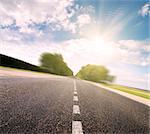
(7, 61)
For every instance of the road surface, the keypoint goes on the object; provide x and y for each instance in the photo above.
(61, 105)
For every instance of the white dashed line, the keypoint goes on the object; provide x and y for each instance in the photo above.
(76, 109)
(75, 87)
(75, 98)
(74, 83)
(77, 127)
(75, 92)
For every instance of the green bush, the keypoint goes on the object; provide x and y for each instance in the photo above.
(55, 64)
(95, 73)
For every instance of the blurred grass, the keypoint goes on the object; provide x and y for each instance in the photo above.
(142, 93)
(18, 69)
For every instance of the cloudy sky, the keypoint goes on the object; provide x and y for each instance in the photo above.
(113, 33)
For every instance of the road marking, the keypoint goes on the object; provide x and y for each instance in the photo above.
(75, 87)
(74, 83)
(75, 98)
(77, 127)
(75, 92)
(76, 109)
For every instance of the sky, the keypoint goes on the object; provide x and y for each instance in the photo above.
(113, 33)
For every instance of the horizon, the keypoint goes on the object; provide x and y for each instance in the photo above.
(110, 33)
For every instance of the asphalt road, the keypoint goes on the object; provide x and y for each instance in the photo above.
(45, 106)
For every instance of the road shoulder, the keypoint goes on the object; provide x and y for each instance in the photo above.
(130, 96)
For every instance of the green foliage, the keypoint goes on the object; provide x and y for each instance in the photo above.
(130, 90)
(55, 64)
(95, 73)
(110, 78)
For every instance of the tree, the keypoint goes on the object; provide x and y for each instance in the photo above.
(55, 64)
(110, 78)
(95, 73)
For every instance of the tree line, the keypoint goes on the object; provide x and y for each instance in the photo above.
(55, 63)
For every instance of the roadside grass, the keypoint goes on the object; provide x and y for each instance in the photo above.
(23, 70)
(30, 71)
(142, 93)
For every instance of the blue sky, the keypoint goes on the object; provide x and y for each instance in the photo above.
(113, 33)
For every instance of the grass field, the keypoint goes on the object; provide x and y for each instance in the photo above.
(23, 70)
(137, 92)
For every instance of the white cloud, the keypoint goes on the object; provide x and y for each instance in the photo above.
(31, 31)
(83, 19)
(26, 29)
(5, 20)
(9, 36)
(25, 12)
(94, 50)
(145, 10)
(89, 50)
(79, 52)
(56, 13)
(88, 9)
(130, 77)
(134, 52)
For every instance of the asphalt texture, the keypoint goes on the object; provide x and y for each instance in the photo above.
(104, 112)
(45, 106)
